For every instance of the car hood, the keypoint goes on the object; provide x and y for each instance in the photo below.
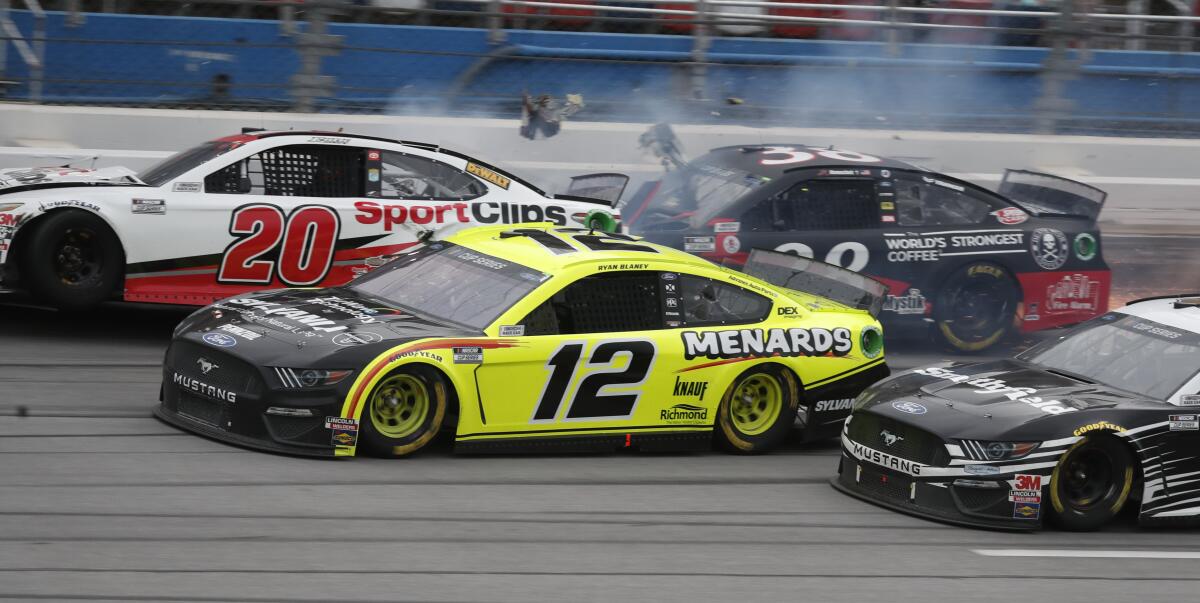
(28, 178)
(991, 400)
(310, 327)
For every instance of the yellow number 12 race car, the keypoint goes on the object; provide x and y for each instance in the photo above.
(535, 337)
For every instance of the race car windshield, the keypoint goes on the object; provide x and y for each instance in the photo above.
(171, 167)
(1126, 352)
(697, 192)
(450, 282)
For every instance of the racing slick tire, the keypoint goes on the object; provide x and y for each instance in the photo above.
(975, 307)
(405, 412)
(758, 410)
(1091, 483)
(73, 260)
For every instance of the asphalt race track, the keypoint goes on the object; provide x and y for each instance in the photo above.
(99, 501)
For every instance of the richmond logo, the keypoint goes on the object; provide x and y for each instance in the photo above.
(684, 413)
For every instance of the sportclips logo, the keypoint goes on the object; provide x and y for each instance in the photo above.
(744, 343)
(200, 387)
(479, 212)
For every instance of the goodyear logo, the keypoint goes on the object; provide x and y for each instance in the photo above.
(489, 175)
(1099, 426)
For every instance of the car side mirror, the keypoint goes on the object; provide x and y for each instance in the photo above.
(244, 185)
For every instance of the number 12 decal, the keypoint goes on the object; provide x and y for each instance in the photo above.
(588, 401)
(298, 248)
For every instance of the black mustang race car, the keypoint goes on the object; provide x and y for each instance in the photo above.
(1074, 429)
(973, 264)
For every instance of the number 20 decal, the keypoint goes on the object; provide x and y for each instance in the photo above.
(297, 248)
(589, 402)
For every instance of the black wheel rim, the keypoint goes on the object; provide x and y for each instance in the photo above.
(78, 259)
(1088, 479)
(979, 308)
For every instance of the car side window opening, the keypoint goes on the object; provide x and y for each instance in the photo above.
(843, 204)
(924, 201)
(293, 171)
(405, 176)
(708, 302)
(609, 302)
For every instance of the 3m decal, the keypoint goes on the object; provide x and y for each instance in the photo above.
(489, 175)
(746, 343)
(304, 243)
(589, 402)
(1026, 489)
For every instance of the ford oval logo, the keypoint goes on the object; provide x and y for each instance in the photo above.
(220, 340)
(911, 408)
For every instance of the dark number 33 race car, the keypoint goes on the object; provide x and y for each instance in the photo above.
(972, 264)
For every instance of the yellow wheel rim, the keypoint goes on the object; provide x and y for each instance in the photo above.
(756, 403)
(400, 406)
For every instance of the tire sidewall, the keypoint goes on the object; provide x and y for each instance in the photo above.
(1124, 471)
(958, 279)
(733, 440)
(37, 264)
(377, 444)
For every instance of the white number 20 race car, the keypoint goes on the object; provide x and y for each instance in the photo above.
(253, 211)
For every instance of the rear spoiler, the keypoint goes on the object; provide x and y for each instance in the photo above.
(807, 275)
(606, 187)
(1047, 195)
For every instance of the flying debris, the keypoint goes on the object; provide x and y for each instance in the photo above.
(544, 114)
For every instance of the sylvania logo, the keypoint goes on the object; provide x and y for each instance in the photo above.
(744, 343)
(480, 212)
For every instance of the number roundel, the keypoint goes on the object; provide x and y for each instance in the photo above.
(298, 248)
(588, 401)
